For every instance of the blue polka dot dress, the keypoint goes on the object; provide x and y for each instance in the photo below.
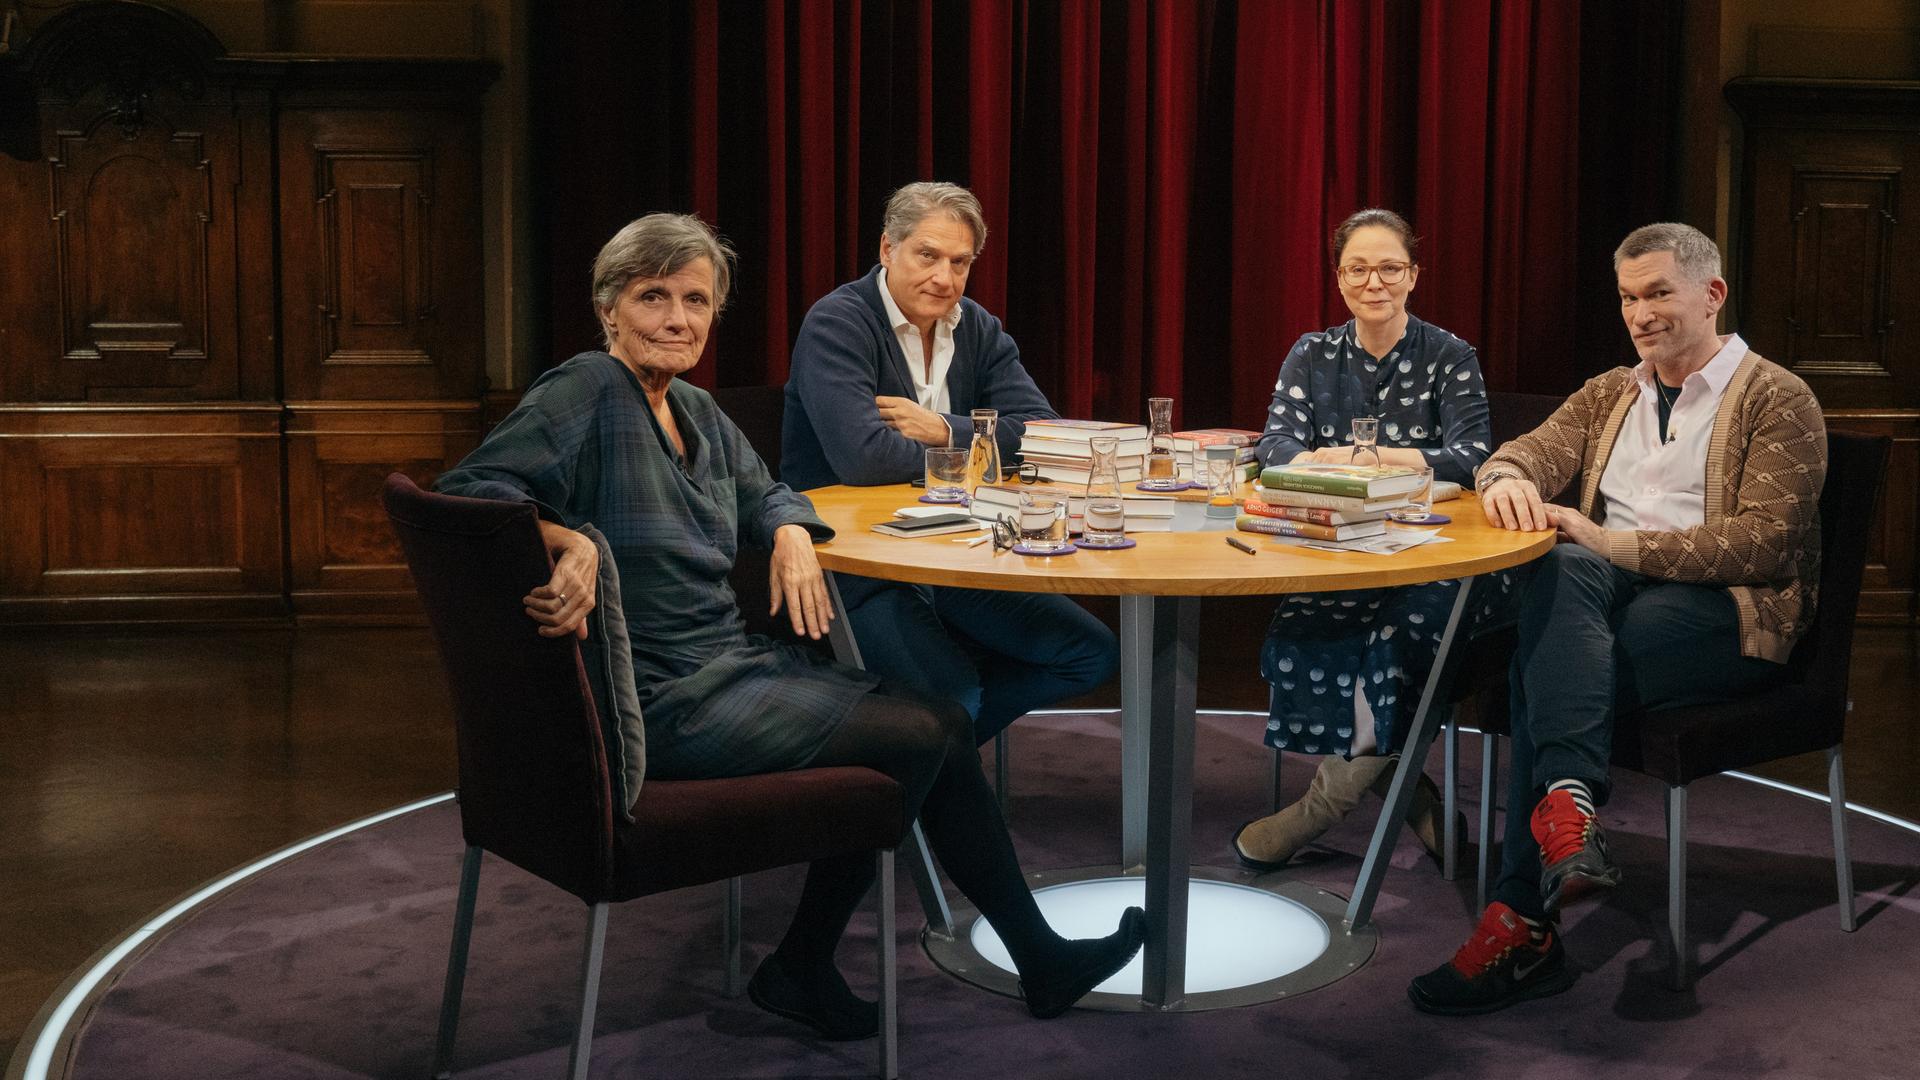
(1323, 648)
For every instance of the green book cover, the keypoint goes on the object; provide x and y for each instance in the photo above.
(1356, 481)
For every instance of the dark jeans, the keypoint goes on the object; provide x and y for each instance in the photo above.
(1000, 655)
(1594, 640)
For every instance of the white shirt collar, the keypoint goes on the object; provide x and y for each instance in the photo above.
(899, 318)
(1717, 373)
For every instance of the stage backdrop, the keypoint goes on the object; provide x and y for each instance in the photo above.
(1159, 176)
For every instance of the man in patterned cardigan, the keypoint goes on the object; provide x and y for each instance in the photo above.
(1685, 575)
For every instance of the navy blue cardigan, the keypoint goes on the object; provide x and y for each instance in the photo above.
(847, 354)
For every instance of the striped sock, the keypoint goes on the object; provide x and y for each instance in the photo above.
(1536, 930)
(1577, 789)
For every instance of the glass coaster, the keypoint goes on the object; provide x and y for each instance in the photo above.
(957, 500)
(1124, 543)
(1022, 549)
(1430, 519)
(1164, 487)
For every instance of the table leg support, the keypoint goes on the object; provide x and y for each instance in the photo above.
(1169, 828)
(1136, 720)
(1413, 758)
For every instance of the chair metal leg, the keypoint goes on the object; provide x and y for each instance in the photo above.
(889, 978)
(589, 993)
(1677, 886)
(1489, 773)
(926, 881)
(1449, 801)
(730, 939)
(1279, 786)
(456, 964)
(1002, 743)
(1842, 864)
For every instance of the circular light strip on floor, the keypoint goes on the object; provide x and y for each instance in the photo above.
(54, 1025)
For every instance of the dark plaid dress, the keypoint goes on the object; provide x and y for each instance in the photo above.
(584, 446)
(1322, 648)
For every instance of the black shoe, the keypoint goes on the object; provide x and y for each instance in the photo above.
(1246, 861)
(823, 1003)
(1495, 968)
(1573, 851)
(1048, 995)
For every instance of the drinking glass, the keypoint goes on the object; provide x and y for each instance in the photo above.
(1043, 522)
(1220, 458)
(1366, 437)
(947, 474)
(1419, 500)
(1162, 475)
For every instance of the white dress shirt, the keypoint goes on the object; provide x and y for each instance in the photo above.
(1657, 481)
(929, 387)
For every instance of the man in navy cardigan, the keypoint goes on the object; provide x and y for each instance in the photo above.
(885, 367)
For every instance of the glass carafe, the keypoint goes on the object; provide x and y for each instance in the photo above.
(1162, 473)
(983, 454)
(1366, 435)
(1104, 521)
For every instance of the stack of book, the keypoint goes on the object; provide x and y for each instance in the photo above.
(1326, 502)
(1145, 513)
(1188, 447)
(1059, 448)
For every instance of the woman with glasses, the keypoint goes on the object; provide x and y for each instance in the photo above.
(1346, 669)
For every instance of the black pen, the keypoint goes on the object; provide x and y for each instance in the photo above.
(1243, 547)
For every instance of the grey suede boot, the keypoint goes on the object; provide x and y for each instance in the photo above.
(1337, 787)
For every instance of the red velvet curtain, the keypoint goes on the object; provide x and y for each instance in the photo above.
(1159, 176)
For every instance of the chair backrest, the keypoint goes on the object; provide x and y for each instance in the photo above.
(759, 412)
(1512, 414)
(1856, 470)
(534, 782)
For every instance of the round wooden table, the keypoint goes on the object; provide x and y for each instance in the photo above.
(1160, 582)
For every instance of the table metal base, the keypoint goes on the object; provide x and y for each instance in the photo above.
(1299, 927)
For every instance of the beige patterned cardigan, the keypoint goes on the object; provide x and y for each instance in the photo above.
(1766, 459)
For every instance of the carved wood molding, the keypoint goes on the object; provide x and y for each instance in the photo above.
(132, 50)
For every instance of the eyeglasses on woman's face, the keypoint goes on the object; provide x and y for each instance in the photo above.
(1355, 275)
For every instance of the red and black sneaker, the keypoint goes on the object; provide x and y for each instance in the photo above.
(1573, 851)
(1498, 966)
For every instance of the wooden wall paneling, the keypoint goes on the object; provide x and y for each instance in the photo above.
(140, 513)
(344, 563)
(1887, 590)
(380, 256)
(1826, 283)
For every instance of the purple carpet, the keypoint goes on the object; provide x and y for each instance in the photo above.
(329, 966)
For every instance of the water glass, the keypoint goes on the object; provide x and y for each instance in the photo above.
(1043, 522)
(1105, 523)
(1419, 500)
(1366, 436)
(947, 474)
(1221, 459)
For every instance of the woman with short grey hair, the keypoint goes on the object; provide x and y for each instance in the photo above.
(614, 438)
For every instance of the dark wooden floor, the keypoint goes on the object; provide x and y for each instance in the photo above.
(135, 767)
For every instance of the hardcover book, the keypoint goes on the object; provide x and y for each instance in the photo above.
(1354, 481)
(1344, 503)
(1254, 523)
(1085, 429)
(1314, 515)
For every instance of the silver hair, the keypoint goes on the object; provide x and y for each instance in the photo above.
(1694, 252)
(911, 204)
(655, 246)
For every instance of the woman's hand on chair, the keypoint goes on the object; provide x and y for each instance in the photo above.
(795, 580)
(561, 605)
